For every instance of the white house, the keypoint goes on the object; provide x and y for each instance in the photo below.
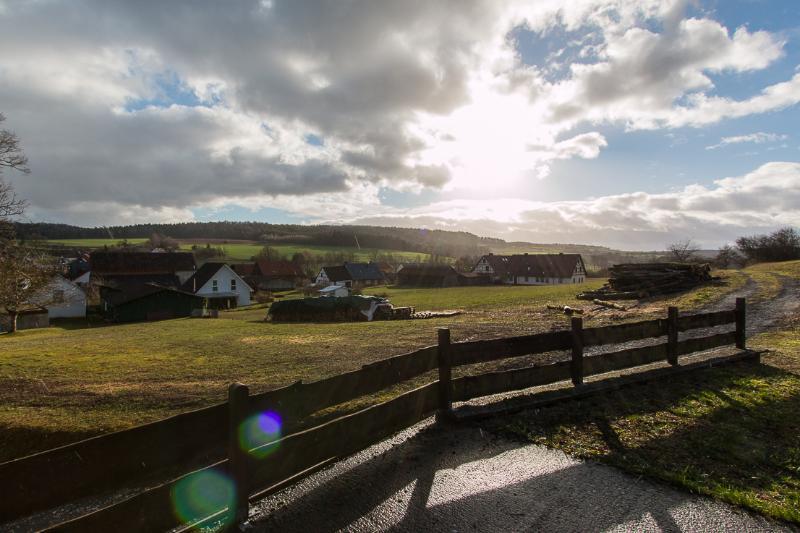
(62, 299)
(223, 287)
(532, 269)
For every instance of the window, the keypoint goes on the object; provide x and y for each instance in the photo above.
(233, 285)
(58, 296)
(214, 285)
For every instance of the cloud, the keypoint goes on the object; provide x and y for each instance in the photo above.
(158, 109)
(761, 200)
(757, 138)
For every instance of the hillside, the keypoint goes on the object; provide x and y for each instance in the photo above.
(253, 234)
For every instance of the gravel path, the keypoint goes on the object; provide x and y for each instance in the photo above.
(432, 478)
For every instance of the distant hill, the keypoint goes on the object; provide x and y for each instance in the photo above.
(437, 243)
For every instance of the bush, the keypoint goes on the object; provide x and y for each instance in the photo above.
(781, 245)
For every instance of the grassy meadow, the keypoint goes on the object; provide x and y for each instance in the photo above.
(80, 378)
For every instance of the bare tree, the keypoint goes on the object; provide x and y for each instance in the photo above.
(727, 257)
(11, 156)
(683, 251)
(27, 276)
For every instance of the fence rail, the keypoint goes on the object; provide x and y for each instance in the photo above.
(207, 436)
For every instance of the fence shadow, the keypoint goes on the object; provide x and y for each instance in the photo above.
(464, 479)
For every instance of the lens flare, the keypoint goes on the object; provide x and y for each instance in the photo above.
(258, 434)
(202, 494)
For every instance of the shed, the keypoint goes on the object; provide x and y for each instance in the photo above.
(136, 303)
(29, 317)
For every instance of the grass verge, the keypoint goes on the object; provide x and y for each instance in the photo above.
(730, 432)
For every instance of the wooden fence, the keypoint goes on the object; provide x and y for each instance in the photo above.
(212, 437)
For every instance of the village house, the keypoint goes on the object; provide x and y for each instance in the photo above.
(220, 286)
(353, 275)
(63, 298)
(532, 269)
(271, 275)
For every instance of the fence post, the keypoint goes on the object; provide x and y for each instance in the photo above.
(672, 335)
(238, 400)
(577, 351)
(741, 323)
(445, 376)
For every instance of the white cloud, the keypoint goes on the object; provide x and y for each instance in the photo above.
(406, 95)
(757, 138)
(763, 199)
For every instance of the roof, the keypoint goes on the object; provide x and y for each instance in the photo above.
(540, 265)
(203, 274)
(337, 273)
(122, 281)
(123, 263)
(334, 288)
(425, 269)
(133, 292)
(244, 269)
(364, 271)
(270, 268)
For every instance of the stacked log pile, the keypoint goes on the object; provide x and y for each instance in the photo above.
(632, 281)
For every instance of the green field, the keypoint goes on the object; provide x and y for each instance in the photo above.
(244, 251)
(77, 379)
(70, 381)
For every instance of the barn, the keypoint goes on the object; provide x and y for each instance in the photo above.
(427, 275)
(149, 301)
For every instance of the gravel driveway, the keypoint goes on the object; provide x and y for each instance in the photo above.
(459, 478)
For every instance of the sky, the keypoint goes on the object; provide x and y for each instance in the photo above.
(630, 124)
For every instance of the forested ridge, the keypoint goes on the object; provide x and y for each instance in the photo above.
(440, 242)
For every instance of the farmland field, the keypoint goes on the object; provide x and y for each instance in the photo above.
(243, 251)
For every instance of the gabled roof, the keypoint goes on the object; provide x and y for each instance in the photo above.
(538, 265)
(337, 273)
(133, 292)
(203, 274)
(244, 269)
(121, 281)
(121, 263)
(364, 271)
(269, 268)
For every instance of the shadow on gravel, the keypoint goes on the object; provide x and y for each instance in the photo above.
(460, 478)
(730, 432)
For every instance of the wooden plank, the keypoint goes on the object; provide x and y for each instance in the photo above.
(337, 438)
(238, 399)
(741, 323)
(706, 343)
(467, 353)
(302, 399)
(624, 332)
(576, 368)
(445, 375)
(705, 320)
(609, 362)
(107, 462)
(152, 510)
(672, 335)
(468, 387)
